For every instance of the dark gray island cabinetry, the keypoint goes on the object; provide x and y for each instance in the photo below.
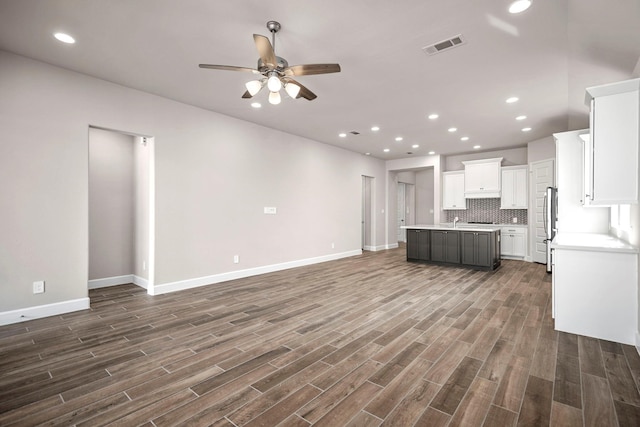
(475, 248)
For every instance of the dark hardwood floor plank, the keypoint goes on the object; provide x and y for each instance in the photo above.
(456, 386)
(350, 406)
(500, 417)
(536, 404)
(590, 357)
(623, 387)
(598, 404)
(475, 404)
(565, 416)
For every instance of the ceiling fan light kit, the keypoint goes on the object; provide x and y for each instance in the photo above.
(276, 71)
(519, 6)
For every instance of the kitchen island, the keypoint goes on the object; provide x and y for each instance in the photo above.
(443, 244)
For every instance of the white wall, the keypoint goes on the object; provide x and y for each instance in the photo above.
(424, 196)
(213, 176)
(511, 157)
(111, 204)
(541, 149)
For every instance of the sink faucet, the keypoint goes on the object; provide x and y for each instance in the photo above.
(455, 221)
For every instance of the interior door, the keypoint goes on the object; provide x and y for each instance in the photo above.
(401, 209)
(542, 176)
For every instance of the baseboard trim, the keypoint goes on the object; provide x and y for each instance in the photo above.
(39, 311)
(638, 342)
(118, 280)
(392, 246)
(375, 248)
(240, 274)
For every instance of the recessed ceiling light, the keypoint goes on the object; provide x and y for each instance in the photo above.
(415, 146)
(399, 138)
(433, 116)
(256, 105)
(464, 138)
(367, 154)
(64, 38)
(475, 147)
(375, 128)
(512, 100)
(521, 117)
(386, 150)
(452, 129)
(519, 6)
(526, 129)
(342, 135)
(432, 153)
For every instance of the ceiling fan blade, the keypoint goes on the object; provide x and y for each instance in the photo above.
(309, 69)
(228, 68)
(304, 92)
(265, 50)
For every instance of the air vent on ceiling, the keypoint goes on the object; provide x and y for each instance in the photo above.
(444, 45)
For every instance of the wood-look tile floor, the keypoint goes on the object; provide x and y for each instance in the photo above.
(365, 341)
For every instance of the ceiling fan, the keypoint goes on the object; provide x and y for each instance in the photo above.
(275, 71)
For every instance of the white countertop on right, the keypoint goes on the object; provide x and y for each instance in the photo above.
(591, 242)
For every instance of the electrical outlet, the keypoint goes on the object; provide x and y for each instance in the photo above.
(144, 265)
(270, 210)
(236, 259)
(38, 287)
(333, 245)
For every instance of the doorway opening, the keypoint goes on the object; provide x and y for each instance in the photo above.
(121, 209)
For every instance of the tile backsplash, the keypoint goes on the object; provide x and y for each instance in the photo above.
(487, 210)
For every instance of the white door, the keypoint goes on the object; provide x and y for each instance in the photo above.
(542, 176)
(401, 209)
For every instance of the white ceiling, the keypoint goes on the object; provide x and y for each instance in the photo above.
(546, 56)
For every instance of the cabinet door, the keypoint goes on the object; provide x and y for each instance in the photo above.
(453, 191)
(514, 189)
(452, 247)
(476, 248)
(614, 141)
(483, 249)
(444, 246)
(520, 245)
(418, 245)
(521, 189)
(507, 244)
(468, 247)
(438, 246)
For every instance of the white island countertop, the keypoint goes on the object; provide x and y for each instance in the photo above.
(449, 227)
(591, 242)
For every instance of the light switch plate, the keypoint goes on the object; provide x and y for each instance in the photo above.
(38, 287)
(270, 210)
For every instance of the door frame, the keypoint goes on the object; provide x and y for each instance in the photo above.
(532, 203)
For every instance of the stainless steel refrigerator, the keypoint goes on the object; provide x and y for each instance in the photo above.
(550, 220)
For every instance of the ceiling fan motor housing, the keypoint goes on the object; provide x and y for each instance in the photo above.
(282, 64)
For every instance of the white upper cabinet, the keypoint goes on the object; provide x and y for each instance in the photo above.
(514, 187)
(615, 132)
(453, 191)
(482, 178)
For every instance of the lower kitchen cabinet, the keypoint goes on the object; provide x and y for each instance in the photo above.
(418, 245)
(479, 248)
(445, 246)
(594, 293)
(513, 242)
